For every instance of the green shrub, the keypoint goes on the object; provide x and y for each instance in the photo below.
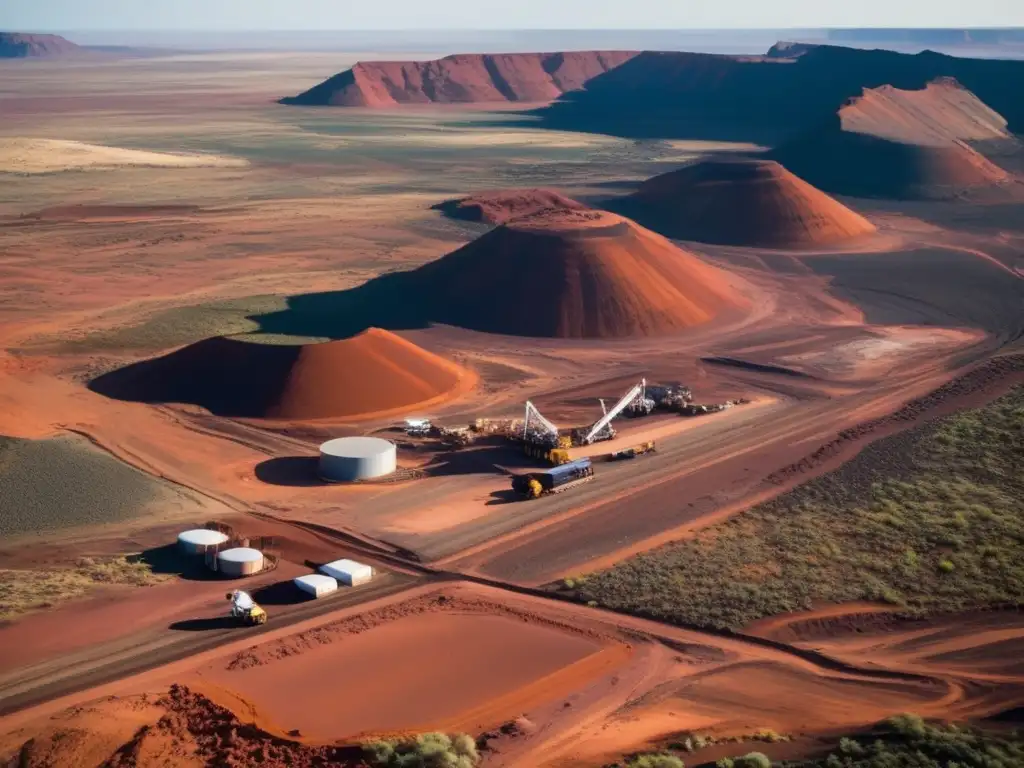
(724, 762)
(753, 760)
(850, 747)
(908, 725)
(907, 741)
(464, 746)
(656, 761)
(428, 750)
(768, 735)
(946, 566)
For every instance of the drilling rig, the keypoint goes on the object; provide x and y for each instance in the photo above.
(634, 402)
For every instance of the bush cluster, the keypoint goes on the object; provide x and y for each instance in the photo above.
(428, 750)
(907, 741)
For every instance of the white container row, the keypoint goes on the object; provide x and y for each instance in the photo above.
(316, 584)
(347, 572)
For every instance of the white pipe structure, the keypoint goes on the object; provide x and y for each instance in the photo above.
(531, 410)
(619, 407)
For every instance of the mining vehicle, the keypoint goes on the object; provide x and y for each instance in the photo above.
(632, 452)
(531, 485)
(553, 456)
(245, 609)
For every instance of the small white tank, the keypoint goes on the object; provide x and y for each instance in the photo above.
(240, 561)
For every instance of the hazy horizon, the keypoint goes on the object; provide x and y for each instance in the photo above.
(301, 15)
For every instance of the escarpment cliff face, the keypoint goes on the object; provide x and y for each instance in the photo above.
(462, 79)
(17, 45)
(905, 144)
(766, 99)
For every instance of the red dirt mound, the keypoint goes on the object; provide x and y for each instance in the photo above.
(501, 205)
(745, 202)
(901, 144)
(374, 373)
(466, 78)
(17, 45)
(573, 273)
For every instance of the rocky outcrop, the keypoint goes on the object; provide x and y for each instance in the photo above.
(902, 144)
(462, 79)
(16, 45)
(765, 99)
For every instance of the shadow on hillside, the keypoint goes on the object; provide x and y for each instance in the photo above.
(705, 97)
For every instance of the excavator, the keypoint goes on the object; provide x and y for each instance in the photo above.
(245, 609)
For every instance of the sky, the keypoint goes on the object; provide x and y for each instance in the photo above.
(43, 15)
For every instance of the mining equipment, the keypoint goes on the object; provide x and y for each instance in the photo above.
(634, 451)
(553, 456)
(541, 439)
(555, 480)
(456, 437)
(696, 409)
(245, 609)
(417, 427)
(671, 397)
(635, 400)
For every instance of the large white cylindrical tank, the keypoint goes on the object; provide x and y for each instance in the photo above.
(197, 541)
(357, 458)
(240, 561)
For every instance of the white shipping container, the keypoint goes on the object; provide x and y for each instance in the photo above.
(316, 584)
(348, 572)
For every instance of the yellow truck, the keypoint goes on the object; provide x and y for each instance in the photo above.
(245, 609)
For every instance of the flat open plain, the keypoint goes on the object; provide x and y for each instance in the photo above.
(149, 205)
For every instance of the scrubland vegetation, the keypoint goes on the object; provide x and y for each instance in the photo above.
(904, 741)
(907, 741)
(23, 591)
(428, 750)
(928, 521)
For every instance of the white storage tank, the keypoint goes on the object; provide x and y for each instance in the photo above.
(316, 584)
(348, 572)
(240, 561)
(197, 541)
(345, 459)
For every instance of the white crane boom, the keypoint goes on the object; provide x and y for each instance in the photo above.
(619, 407)
(532, 414)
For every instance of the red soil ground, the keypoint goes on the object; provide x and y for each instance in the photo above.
(901, 144)
(373, 373)
(466, 78)
(605, 684)
(483, 677)
(502, 205)
(565, 273)
(745, 202)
